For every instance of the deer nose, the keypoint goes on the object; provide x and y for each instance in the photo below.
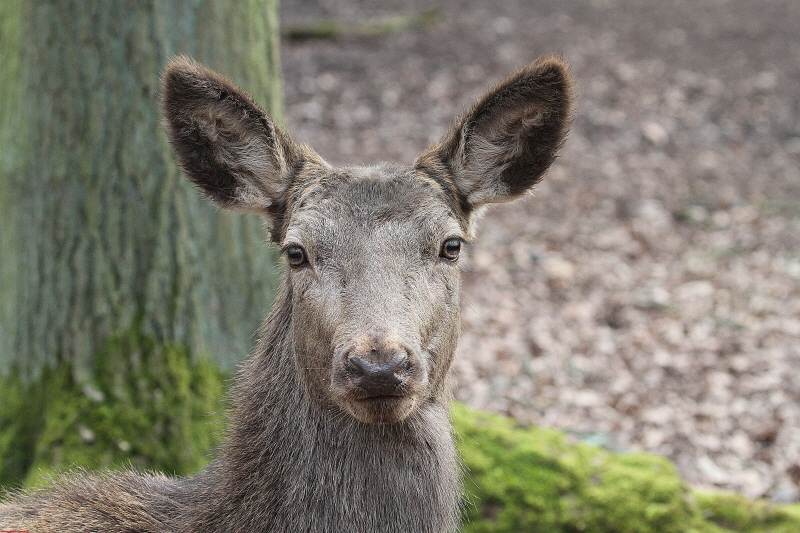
(379, 371)
(378, 379)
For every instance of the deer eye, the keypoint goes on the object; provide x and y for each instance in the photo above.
(296, 256)
(450, 249)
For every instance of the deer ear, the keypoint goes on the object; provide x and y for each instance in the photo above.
(505, 142)
(226, 144)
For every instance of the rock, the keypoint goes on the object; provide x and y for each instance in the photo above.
(559, 269)
(655, 133)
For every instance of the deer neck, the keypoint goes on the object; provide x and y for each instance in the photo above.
(294, 464)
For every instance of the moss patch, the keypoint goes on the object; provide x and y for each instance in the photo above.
(156, 408)
(148, 405)
(333, 28)
(532, 479)
(735, 513)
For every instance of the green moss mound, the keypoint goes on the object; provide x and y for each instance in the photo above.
(534, 480)
(147, 405)
(732, 512)
(157, 408)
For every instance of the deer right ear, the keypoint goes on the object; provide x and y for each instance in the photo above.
(226, 144)
(505, 142)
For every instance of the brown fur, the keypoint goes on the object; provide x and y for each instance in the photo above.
(340, 419)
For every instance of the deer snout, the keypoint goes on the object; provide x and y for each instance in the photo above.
(378, 379)
(379, 366)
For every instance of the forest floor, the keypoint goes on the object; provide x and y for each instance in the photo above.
(648, 296)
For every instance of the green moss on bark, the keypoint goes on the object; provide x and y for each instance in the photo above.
(149, 405)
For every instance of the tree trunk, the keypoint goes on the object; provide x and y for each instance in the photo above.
(118, 283)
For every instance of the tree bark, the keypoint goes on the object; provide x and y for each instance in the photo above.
(114, 270)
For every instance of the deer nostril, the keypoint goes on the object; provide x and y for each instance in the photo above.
(401, 362)
(398, 363)
(358, 365)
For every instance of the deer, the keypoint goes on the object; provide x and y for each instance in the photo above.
(339, 419)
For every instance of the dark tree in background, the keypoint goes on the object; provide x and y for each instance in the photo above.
(122, 292)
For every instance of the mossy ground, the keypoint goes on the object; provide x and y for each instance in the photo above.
(535, 480)
(148, 405)
(169, 417)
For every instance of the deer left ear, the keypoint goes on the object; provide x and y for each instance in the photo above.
(226, 144)
(503, 145)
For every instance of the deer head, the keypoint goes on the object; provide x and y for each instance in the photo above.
(372, 252)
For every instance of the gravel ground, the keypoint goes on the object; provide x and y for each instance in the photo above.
(648, 296)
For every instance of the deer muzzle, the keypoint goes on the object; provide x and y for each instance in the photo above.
(379, 379)
(375, 379)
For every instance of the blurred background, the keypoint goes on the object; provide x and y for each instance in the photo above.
(646, 298)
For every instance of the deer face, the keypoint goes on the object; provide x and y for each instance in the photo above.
(373, 268)
(372, 252)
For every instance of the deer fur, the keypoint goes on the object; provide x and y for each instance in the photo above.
(340, 417)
